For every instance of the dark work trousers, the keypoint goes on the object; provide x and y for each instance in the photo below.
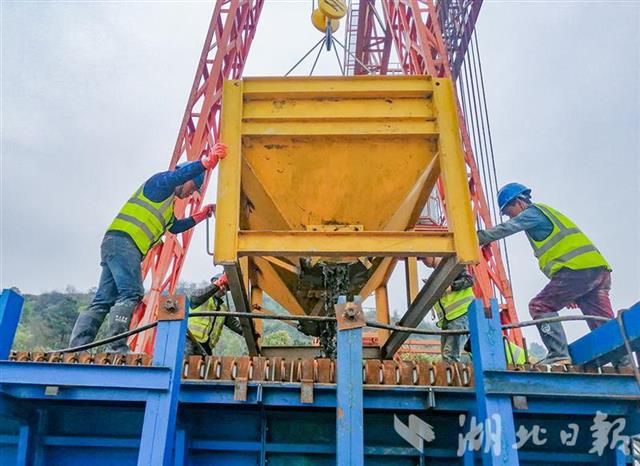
(119, 292)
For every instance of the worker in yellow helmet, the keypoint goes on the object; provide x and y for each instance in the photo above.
(140, 225)
(579, 274)
(204, 332)
(451, 312)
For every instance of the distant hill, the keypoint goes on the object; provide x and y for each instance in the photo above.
(47, 320)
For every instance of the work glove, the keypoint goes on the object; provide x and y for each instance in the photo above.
(486, 252)
(222, 281)
(217, 152)
(206, 211)
(482, 237)
(431, 262)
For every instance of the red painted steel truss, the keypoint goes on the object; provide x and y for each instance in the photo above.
(231, 31)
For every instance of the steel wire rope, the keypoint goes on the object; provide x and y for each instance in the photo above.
(478, 123)
(305, 56)
(104, 341)
(368, 323)
(491, 152)
(470, 113)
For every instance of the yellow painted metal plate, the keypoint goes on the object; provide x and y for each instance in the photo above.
(315, 181)
(313, 157)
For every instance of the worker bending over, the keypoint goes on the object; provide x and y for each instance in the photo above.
(204, 332)
(139, 225)
(578, 272)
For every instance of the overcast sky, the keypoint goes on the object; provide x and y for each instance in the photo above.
(93, 95)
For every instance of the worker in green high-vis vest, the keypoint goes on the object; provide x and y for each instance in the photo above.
(451, 312)
(136, 229)
(579, 275)
(204, 331)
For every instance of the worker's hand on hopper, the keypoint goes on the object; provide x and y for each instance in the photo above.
(222, 282)
(572, 306)
(217, 152)
(431, 262)
(206, 211)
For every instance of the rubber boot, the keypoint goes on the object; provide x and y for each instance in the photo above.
(86, 327)
(119, 321)
(554, 338)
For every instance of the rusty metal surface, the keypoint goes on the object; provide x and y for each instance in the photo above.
(307, 372)
(171, 307)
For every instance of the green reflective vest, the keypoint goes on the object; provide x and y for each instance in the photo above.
(143, 220)
(207, 329)
(566, 246)
(453, 305)
(514, 353)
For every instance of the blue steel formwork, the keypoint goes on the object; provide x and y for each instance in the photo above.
(68, 414)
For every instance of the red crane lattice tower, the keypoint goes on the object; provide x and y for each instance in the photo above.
(413, 27)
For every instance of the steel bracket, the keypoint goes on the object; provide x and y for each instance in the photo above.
(307, 370)
(349, 315)
(171, 307)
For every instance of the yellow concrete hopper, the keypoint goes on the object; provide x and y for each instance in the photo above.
(325, 170)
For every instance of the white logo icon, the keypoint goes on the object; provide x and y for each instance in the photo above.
(415, 433)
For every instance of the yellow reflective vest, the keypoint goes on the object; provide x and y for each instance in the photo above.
(514, 353)
(207, 329)
(143, 220)
(565, 247)
(453, 305)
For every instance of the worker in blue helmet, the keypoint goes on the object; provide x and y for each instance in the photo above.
(136, 229)
(579, 275)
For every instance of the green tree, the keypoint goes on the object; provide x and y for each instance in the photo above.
(279, 338)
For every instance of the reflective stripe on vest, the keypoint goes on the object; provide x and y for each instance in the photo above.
(144, 220)
(207, 329)
(453, 305)
(565, 247)
(514, 353)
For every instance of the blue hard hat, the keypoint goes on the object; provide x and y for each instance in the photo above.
(511, 191)
(198, 180)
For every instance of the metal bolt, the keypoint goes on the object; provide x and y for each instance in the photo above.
(171, 305)
(349, 313)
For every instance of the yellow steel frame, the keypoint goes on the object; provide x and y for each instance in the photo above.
(256, 220)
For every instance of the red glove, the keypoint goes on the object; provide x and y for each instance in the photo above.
(572, 306)
(217, 152)
(222, 281)
(206, 211)
(486, 252)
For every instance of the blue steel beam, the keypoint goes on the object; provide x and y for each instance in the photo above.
(349, 409)
(97, 377)
(287, 395)
(10, 308)
(486, 343)
(159, 426)
(244, 446)
(567, 385)
(605, 343)
(13, 408)
(35, 392)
